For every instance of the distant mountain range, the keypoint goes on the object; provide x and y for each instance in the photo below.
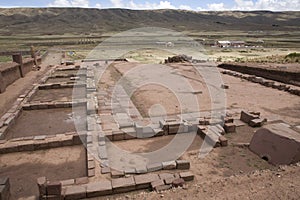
(84, 21)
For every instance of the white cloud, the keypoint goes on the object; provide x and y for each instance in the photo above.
(185, 7)
(138, 6)
(117, 3)
(70, 3)
(274, 5)
(98, 5)
(216, 6)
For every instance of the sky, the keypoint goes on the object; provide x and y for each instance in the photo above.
(196, 5)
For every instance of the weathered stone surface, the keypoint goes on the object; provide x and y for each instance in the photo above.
(144, 181)
(229, 127)
(223, 141)
(117, 174)
(91, 172)
(169, 165)
(183, 164)
(162, 188)
(121, 185)
(67, 182)
(54, 188)
(179, 182)
(105, 170)
(186, 176)
(165, 176)
(75, 192)
(81, 180)
(154, 167)
(99, 188)
(41, 182)
(276, 143)
(247, 116)
(157, 183)
(141, 170)
(257, 122)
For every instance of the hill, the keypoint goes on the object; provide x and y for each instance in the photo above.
(83, 20)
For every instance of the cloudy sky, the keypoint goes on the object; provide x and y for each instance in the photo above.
(197, 5)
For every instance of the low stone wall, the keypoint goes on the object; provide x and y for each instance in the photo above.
(10, 72)
(28, 63)
(276, 75)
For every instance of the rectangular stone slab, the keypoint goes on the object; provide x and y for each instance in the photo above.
(121, 185)
(99, 188)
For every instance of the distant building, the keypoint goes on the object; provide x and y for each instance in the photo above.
(226, 44)
(223, 44)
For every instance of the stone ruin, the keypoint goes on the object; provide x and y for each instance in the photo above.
(178, 59)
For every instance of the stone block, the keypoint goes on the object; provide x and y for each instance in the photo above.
(102, 152)
(54, 188)
(91, 172)
(129, 171)
(179, 182)
(165, 176)
(75, 192)
(99, 188)
(144, 181)
(67, 182)
(117, 174)
(223, 141)
(141, 170)
(105, 170)
(247, 116)
(161, 188)
(82, 180)
(169, 165)
(182, 164)
(186, 176)
(154, 167)
(229, 127)
(121, 185)
(91, 164)
(257, 122)
(157, 183)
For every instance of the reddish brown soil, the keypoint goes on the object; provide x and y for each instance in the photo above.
(63, 94)
(56, 164)
(43, 122)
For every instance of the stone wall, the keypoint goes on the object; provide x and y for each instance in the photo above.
(12, 71)
(276, 75)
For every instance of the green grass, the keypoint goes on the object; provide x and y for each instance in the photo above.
(5, 58)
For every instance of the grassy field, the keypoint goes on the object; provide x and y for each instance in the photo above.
(274, 44)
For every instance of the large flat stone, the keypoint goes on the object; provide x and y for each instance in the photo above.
(144, 181)
(121, 185)
(75, 192)
(99, 188)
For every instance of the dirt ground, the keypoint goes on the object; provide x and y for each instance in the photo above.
(62, 94)
(44, 122)
(24, 168)
(241, 94)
